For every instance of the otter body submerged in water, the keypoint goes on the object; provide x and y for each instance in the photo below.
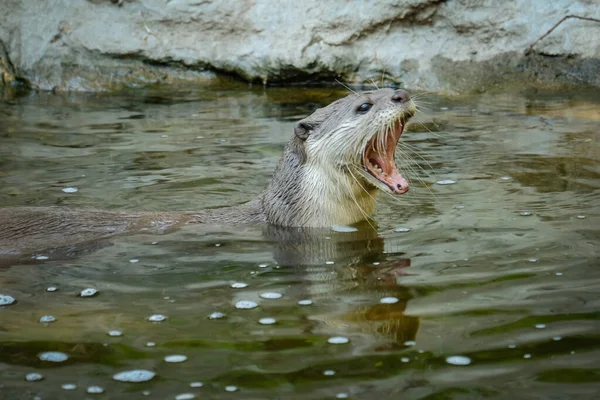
(329, 174)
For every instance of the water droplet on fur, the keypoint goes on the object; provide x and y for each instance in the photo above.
(305, 302)
(245, 304)
(175, 358)
(388, 300)
(89, 292)
(239, 285)
(157, 318)
(33, 377)
(135, 375)
(446, 182)
(338, 340)
(267, 321)
(458, 360)
(95, 389)
(53, 356)
(70, 190)
(6, 300)
(343, 228)
(46, 319)
(271, 295)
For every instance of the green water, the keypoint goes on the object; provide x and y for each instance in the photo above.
(500, 267)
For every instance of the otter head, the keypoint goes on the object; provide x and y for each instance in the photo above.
(337, 159)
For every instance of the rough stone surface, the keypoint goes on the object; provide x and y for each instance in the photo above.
(445, 45)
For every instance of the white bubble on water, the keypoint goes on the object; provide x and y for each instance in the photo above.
(175, 358)
(231, 388)
(115, 333)
(245, 305)
(458, 360)
(267, 321)
(338, 340)
(329, 372)
(239, 285)
(89, 292)
(263, 265)
(51, 289)
(134, 260)
(216, 315)
(150, 344)
(185, 396)
(540, 326)
(527, 356)
(405, 359)
(95, 389)
(532, 260)
(271, 295)
(388, 300)
(446, 182)
(46, 319)
(343, 228)
(53, 356)
(505, 178)
(329, 262)
(581, 217)
(305, 302)
(157, 318)
(410, 343)
(525, 213)
(196, 384)
(6, 300)
(68, 386)
(42, 258)
(33, 377)
(135, 375)
(342, 395)
(512, 346)
(70, 190)
(556, 338)
(401, 229)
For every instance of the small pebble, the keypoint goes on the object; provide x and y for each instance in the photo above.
(458, 360)
(51, 289)
(115, 333)
(175, 358)
(305, 302)
(401, 229)
(388, 300)
(271, 295)
(338, 340)
(329, 372)
(231, 388)
(267, 321)
(33, 377)
(135, 375)
(95, 389)
(6, 300)
(46, 319)
(53, 356)
(446, 182)
(185, 396)
(245, 304)
(196, 384)
(68, 386)
(70, 190)
(343, 228)
(216, 315)
(239, 285)
(89, 292)
(156, 318)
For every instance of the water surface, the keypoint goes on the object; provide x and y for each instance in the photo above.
(491, 291)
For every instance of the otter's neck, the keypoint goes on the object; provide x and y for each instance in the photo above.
(314, 195)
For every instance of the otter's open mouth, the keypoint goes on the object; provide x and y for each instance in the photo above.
(380, 164)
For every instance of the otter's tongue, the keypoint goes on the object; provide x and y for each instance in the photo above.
(381, 163)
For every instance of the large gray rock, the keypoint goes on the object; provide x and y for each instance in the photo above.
(451, 46)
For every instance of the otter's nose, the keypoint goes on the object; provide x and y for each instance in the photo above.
(400, 96)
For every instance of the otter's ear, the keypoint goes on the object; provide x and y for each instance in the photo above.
(302, 129)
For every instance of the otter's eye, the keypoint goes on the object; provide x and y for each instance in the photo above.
(364, 107)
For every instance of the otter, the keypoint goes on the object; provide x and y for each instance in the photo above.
(329, 174)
